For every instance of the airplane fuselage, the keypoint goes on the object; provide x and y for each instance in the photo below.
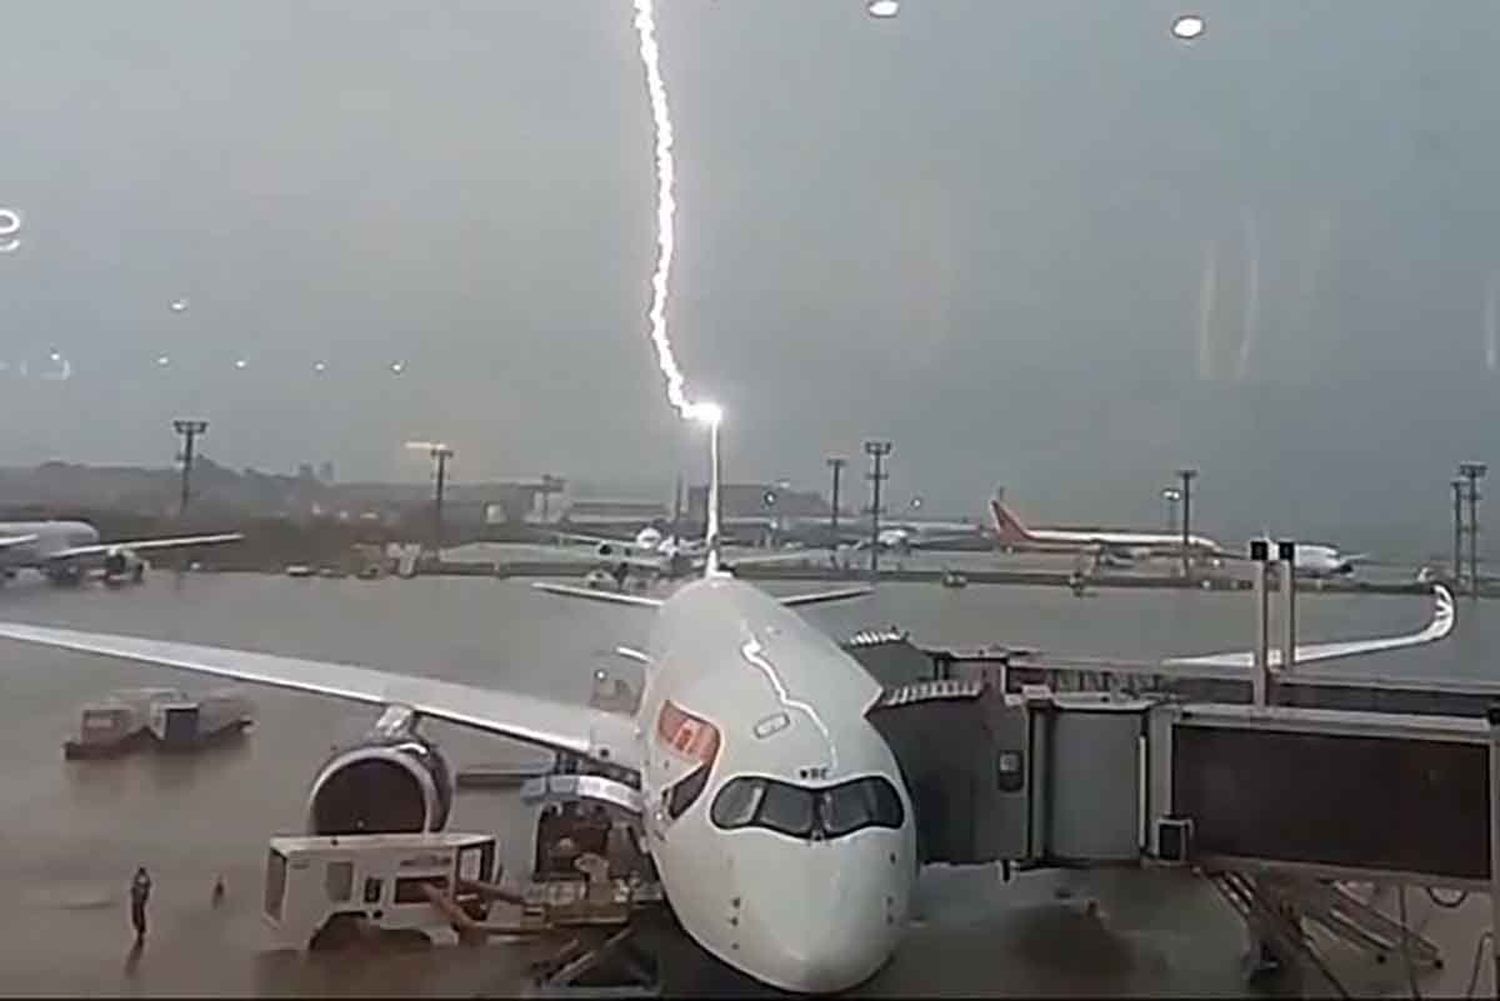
(1012, 533)
(1138, 544)
(782, 830)
(1314, 559)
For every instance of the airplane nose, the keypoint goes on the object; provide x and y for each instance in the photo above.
(827, 963)
(841, 945)
(832, 928)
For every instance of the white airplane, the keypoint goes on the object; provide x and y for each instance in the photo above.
(903, 538)
(64, 550)
(775, 812)
(649, 541)
(1012, 532)
(666, 556)
(1316, 559)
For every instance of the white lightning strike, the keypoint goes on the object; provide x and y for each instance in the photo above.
(1207, 288)
(1491, 342)
(1252, 297)
(666, 212)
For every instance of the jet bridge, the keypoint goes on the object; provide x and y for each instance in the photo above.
(1044, 778)
(1033, 778)
(1275, 804)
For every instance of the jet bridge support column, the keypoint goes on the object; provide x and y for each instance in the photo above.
(1493, 717)
(1286, 552)
(1259, 555)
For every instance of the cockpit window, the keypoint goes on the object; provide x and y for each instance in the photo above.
(693, 739)
(737, 802)
(864, 803)
(786, 808)
(686, 792)
(801, 812)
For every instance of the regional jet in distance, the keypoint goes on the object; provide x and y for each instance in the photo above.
(64, 550)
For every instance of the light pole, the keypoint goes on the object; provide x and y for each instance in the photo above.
(677, 510)
(768, 501)
(1473, 472)
(1187, 475)
(188, 430)
(1458, 530)
(835, 463)
(1171, 495)
(440, 453)
(877, 451)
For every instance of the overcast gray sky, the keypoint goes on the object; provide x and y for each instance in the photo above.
(979, 229)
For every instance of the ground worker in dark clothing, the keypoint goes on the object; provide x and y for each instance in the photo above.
(140, 892)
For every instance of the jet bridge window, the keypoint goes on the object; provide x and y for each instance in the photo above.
(801, 812)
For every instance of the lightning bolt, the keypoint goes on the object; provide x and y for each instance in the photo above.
(1252, 297)
(1206, 292)
(1491, 343)
(666, 214)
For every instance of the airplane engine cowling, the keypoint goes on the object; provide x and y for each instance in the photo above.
(393, 786)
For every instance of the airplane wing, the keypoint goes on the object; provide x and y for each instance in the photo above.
(1438, 628)
(593, 540)
(8, 541)
(607, 597)
(585, 557)
(593, 733)
(138, 545)
(820, 597)
(760, 559)
(641, 601)
(922, 542)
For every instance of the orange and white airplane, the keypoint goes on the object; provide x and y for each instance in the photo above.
(1013, 533)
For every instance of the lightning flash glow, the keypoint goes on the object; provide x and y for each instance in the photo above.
(666, 212)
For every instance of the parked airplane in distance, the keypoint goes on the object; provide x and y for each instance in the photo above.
(65, 550)
(1317, 559)
(665, 556)
(1119, 543)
